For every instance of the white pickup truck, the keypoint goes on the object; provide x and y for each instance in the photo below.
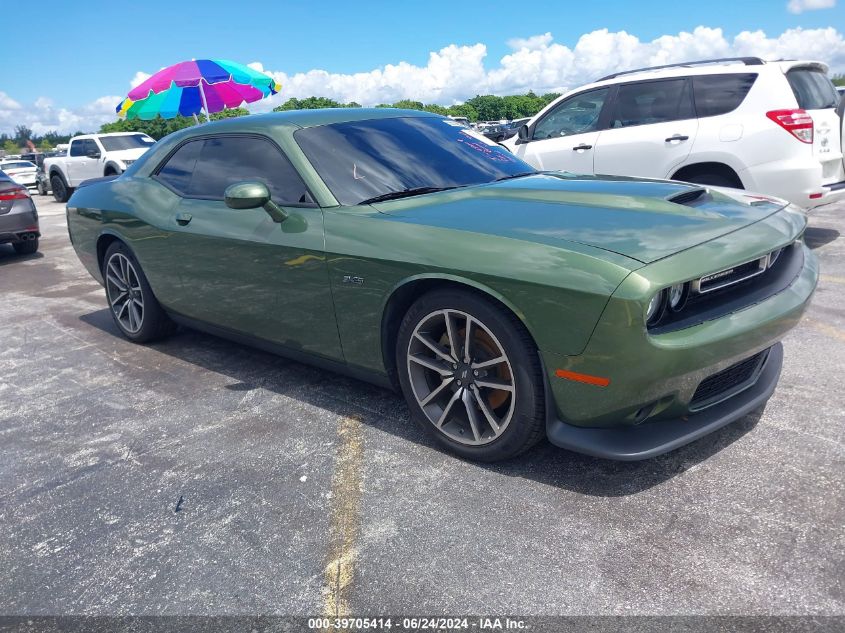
(93, 156)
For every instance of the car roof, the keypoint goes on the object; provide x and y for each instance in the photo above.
(703, 68)
(313, 118)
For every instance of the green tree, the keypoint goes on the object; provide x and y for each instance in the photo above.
(22, 135)
(45, 146)
(839, 80)
(313, 103)
(10, 147)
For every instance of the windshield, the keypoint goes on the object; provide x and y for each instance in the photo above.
(21, 164)
(129, 141)
(359, 160)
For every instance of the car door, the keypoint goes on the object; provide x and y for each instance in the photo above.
(240, 270)
(83, 161)
(565, 137)
(76, 159)
(651, 129)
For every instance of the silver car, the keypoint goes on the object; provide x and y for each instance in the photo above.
(18, 217)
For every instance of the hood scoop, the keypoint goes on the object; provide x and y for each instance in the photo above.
(690, 198)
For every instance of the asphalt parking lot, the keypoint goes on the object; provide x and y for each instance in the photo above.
(196, 476)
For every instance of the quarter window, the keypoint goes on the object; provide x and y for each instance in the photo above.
(649, 102)
(720, 94)
(177, 171)
(576, 115)
(813, 89)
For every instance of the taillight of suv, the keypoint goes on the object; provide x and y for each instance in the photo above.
(796, 122)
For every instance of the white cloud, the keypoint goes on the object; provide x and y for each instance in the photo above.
(43, 116)
(457, 72)
(799, 6)
(139, 78)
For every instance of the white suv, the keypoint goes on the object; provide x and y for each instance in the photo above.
(771, 127)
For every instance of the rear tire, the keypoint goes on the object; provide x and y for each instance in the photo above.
(485, 405)
(61, 192)
(26, 248)
(133, 306)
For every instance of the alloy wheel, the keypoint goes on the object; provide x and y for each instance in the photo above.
(461, 377)
(125, 296)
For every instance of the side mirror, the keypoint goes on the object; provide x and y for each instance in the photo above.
(93, 154)
(523, 134)
(251, 195)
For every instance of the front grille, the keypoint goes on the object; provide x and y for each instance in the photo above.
(728, 382)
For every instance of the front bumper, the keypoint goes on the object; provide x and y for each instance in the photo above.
(631, 443)
(649, 380)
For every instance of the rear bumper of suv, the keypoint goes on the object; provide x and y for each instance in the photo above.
(797, 180)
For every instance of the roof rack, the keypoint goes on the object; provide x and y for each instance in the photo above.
(748, 61)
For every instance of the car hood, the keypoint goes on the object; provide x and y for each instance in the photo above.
(632, 217)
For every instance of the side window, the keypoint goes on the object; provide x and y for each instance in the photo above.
(576, 115)
(91, 147)
(720, 94)
(652, 102)
(229, 159)
(178, 169)
(77, 148)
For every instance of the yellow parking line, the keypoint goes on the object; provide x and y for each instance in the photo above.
(832, 279)
(344, 518)
(824, 328)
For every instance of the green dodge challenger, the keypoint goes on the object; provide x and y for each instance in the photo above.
(619, 317)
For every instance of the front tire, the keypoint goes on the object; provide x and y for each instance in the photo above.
(471, 375)
(133, 306)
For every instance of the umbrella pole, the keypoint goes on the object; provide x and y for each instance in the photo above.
(196, 119)
(204, 103)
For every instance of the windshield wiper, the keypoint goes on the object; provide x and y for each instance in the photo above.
(405, 193)
(521, 175)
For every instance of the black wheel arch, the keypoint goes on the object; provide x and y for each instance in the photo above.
(403, 297)
(687, 173)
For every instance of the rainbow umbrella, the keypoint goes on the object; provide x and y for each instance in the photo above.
(202, 85)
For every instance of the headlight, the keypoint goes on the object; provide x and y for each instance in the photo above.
(128, 162)
(677, 296)
(655, 308)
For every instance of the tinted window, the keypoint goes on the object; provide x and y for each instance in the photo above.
(177, 171)
(129, 141)
(652, 102)
(77, 148)
(720, 94)
(813, 89)
(576, 115)
(91, 147)
(229, 159)
(363, 159)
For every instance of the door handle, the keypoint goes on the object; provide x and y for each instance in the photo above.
(582, 146)
(677, 137)
(182, 219)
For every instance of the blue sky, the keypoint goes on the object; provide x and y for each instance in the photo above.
(89, 50)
